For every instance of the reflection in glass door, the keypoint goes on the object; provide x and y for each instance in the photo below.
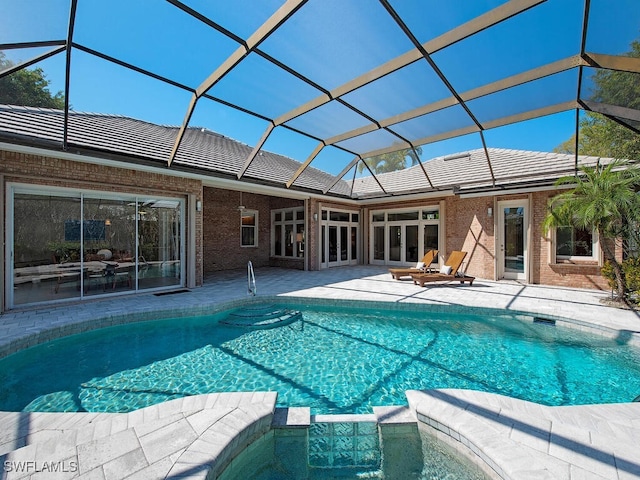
(512, 255)
(411, 243)
(395, 243)
(402, 238)
(344, 243)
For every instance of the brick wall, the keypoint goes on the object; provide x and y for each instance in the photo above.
(469, 227)
(578, 275)
(221, 237)
(49, 171)
(467, 223)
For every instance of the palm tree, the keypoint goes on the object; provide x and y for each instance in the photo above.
(604, 198)
(390, 162)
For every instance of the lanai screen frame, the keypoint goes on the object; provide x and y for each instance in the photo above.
(377, 135)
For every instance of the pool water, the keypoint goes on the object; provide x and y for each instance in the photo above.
(334, 360)
(401, 453)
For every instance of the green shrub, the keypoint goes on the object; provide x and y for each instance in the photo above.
(631, 269)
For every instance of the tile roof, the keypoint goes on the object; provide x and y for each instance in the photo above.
(203, 150)
(215, 155)
(472, 170)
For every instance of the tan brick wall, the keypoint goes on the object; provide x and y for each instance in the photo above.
(469, 228)
(577, 275)
(49, 171)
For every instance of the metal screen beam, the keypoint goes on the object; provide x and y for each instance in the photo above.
(255, 150)
(524, 77)
(613, 62)
(424, 171)
(373, 175)
(183, 127)
(20, 45)
(541, 112)
(344, 171)
(613, 110)
(130, 66)
(486, 154)
(494, 87)
(425, 140)
(267, 28)
(482, 22)
(67, 72)
(32, 61)
(583, 44)
(306, 163)
(531, 114)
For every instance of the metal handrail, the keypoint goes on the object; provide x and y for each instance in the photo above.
(251, 279)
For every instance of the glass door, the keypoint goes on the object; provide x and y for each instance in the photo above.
(411, 251)
(512, 245)
(395, 243)
(339, 245)
(339, 239)
(403, 244)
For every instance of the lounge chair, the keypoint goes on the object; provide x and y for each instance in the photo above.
(448, 272)
(427, 260)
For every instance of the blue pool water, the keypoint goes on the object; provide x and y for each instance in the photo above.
(334, 360)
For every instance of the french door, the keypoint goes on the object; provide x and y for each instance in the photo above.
(401, 238)
(339, 239)
(403, 244)
(512, 248)
(338, 245)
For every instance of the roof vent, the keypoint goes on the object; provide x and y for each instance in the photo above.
(456, 156)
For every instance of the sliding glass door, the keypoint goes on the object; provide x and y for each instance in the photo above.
(72, 245)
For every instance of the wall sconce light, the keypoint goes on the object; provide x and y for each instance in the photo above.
(107, 222)
(489, 212)
(315, 217)
(198, 206)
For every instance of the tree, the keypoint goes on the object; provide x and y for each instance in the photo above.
(600, 136)
(390, 162)
(603, 198)
(27, 87)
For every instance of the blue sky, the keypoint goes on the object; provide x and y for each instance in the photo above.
(158, 37)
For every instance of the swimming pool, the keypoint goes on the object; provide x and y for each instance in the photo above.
(332, 359)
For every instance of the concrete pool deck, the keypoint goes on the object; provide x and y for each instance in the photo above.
(553, 442)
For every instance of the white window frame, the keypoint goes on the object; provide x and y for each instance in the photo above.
(243, 213)
(421, 222)
(595, 249)
(295, 222)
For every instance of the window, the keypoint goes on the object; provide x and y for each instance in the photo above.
(574, 242)
(288, 232)
(249, 228)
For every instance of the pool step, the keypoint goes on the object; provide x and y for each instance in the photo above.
(345, 446)
(262, 316)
